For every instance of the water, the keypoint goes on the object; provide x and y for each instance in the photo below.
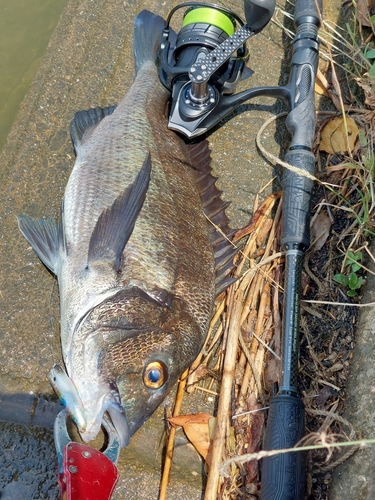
(25, 29)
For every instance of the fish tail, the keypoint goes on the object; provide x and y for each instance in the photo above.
(148, 31)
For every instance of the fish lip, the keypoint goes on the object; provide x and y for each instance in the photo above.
(121, 425)
(112, 404)
(117, 416)
(109, 402)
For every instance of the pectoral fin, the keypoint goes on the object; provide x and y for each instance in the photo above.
(115, 225)
(44, 236)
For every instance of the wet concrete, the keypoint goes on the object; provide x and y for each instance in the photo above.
(89, 63)
(27, 463)
(25, 30)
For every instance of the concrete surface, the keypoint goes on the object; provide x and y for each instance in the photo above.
(355, 478)
(89, 63)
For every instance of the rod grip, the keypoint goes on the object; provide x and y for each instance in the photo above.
(308, 11)
(283, 475)
(297, 198)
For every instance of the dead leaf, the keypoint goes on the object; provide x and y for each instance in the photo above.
(197, 430)
(320, 228)
(335, 138)
(336, 367)
(195, 418)
(321, 84)
(323, 396)
(369, 93)
(271, 372)
(363, 11)
(320, 90)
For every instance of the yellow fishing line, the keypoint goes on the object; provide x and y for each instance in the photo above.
(210, 16)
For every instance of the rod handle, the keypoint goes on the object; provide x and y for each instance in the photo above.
(297, 198)
(308, 11)
(283, 475)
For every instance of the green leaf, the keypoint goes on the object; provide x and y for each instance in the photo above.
(351, 293)
(341, 279)
(372, 70)
(355, 267)
(370, 54)
(354, 256)
(372, 20)
(368, 161)
(362, 137)
(352, 281)
(359, 283)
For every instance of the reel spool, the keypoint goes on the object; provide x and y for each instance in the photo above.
(204, 27)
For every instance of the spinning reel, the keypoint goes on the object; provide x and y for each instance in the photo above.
(203, 64)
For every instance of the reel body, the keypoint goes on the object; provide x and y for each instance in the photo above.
(204, 63)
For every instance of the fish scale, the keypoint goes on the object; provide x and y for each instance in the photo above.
(138, 264)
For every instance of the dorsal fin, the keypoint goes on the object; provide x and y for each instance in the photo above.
(214, 209)
(115, 225)
(86, 119)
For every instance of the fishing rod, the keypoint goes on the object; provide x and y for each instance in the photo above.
(283, 476)
(201, 67)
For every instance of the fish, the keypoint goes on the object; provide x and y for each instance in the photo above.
(141, 249)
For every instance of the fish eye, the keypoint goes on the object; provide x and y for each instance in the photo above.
(155, 375)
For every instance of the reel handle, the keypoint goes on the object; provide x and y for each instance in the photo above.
(258, 14)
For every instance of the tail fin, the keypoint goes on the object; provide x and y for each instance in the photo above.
(148, 31)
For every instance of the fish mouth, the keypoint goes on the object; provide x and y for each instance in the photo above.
(88, 413)
(92, 426)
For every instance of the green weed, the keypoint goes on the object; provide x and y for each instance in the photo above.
(351, 280)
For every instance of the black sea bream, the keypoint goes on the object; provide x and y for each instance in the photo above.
(138, 264)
